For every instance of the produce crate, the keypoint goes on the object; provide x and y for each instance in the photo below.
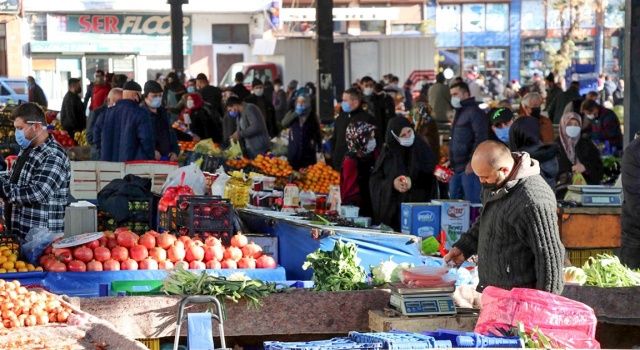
(136, 287)
(399, 341)
(332, 344)
(200, 216)
(151, 343)
(155, 170)
(579, 256)
(89, 177)
(142, 218)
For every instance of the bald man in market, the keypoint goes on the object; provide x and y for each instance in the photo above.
(516, 238)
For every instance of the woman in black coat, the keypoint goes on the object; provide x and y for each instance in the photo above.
(524, 136)
(402, 174)
(305, 137)
(578, 155)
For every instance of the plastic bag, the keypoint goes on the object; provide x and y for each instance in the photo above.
(570, 324)
(578, 179)
(428, 277)
(234, 150)
(217, 188)
(193, 178)
(36, 241)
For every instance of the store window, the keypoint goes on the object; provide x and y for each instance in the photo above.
(588, 14)
(497, 17)
(487, 60)
(38, 26)
(406, 29)
(230, 33)
(473, 18)
(532, 15)
(448, 19)
(554, 20)
(373, 27)
(614, 14)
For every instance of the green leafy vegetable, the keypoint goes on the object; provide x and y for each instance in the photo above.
(338, 269)
(607, 271)
(534, 339)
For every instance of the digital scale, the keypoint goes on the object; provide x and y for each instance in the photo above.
(595, 195)
(423, 301)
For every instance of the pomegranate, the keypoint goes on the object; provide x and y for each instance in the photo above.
(213, 264)
(84, 254)
(165, 240)
(119, 254)
(194, 253)
(129, 264)
(213, 253)
(252, 250)
(94, 265)
(212, 241)
(185, 240)
(63, 254)
(228, 264)
(239, 240)
(111, 243)
(111, 265)
(148, 240)
(76, 266)
(93, 244)
(158, 254)
(247, 263)
(266, 262)
(126, 239)
(165, 265)
(148, 264)
(138, 252)
(176, 252)
(102, 254)
(57, 266)
(197, 265)
(233, 253)
(182, 265)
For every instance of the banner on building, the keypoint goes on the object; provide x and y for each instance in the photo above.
(124, 24)
(9, 6)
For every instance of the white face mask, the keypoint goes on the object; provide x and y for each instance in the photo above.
(367, 91)
(190, 104)
(405, 141)
(590, 116)
(258, 92)
(455, 102)
(572, 131)
(371, 146)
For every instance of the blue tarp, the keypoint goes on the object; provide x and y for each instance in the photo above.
(295, 242)
(87, 284)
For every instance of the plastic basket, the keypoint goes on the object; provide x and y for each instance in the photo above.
(400, 341)
(157, 171)
(579, 256)
(151, 343)
(137, 287)
(332, 344)
(142, 218)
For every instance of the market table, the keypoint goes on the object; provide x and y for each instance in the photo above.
(297, 239)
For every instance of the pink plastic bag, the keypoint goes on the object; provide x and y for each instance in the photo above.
(569, 323)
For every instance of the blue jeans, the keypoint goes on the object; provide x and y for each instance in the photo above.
(465, 186)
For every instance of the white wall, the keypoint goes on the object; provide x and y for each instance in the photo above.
(201, 28)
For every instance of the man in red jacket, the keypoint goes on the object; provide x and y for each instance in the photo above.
(99, 91)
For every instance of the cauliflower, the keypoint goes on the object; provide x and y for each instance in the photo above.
(395, 276)
(239, 277)
(574, 275)
(382, 273)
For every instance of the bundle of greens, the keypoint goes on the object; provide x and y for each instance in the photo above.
(607, 271)
(338, 269)
(182, 282)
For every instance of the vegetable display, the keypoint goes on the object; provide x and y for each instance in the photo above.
(388, 271)
(574, 275)
(24, 308)
(607, 271)
(234, 288)
(338, 269)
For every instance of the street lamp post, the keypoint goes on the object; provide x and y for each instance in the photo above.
(324, 28)
(177, 25)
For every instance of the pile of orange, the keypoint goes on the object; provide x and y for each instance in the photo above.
(187, 145)
(239, 163)
(272, 166)
(318, 178)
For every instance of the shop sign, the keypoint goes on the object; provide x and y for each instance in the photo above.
(9, 6)
(124, 24)
(342, 14)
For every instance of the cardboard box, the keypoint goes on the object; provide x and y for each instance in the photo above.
(454, 219)
(80, 217)
(420, 219)
(269, 244)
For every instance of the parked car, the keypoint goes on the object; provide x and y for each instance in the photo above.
(263, 71)
(13, 91)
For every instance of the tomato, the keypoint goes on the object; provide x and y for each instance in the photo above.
(194, 253)
(138, 252)
(126, 239)
(84, 254)
(57, 266)
(111, 265)
(119, 254)
(129, 264)
(148, 264)
(176, 252)
(215, 253)
(228, 264)
(266, 262)
(63, 254)
(239, 240)
(76, 266)
(165, 265)
(233, 253)
(102, 254)
(165, 240)
(213, 264)
(148, 240)
(197, 265)
(252, 250)
(158, 254)
(247, 263)
(94, 265)
(93, 244)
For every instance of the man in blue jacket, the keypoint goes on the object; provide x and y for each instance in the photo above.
(125, 132)
(470, 127)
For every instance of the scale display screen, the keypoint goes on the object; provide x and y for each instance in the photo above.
(434, 306)
(600, 200)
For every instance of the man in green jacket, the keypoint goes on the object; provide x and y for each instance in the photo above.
(516, 238)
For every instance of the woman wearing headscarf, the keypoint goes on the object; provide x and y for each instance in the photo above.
(357, 166)
(578, 155)
(305, 138)
(524, 138)
(196, 122)
(402, 174)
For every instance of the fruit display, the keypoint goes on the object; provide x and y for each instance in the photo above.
(318, 178)
(9, 260)
(170, 196)
(81, 138)
(138, 220)
(239, 163)
(24, 308)
(63, 138)
(272, 166)
(187, 146)
(125, 250)
(7, 132)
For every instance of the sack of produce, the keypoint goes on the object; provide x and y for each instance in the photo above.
(567, 323)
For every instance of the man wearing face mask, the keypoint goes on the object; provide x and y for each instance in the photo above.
(252, 130)
(210, 94)
(352, 112)
(266, 107)
(468, 130)
(125, 133)
(530, 107)
(378, 104)
(36, 190)
(99, 91)
(72, 114)
(239, 89)
(166, 142)
(603, 125)
(501, 120)
(516, 237)
(114, 96)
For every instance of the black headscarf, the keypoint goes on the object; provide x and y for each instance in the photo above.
(412, 160)
(524, 133)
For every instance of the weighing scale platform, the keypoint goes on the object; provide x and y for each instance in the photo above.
(595, 195)
(423, 301)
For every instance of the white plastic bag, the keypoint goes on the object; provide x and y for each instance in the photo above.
(193, 178)
(36, 241)
(218, 186)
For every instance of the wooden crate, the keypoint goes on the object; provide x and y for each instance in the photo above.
(579, 256)
(156, 171)
(588, 228)
(151, 343)
(89, 177)
(379, 321)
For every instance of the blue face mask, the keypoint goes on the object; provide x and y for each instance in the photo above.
(503, 134)
(191, 89)
(22, 140)
(346, 107)
(233, 114)
(156, 102)
(300, 109)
